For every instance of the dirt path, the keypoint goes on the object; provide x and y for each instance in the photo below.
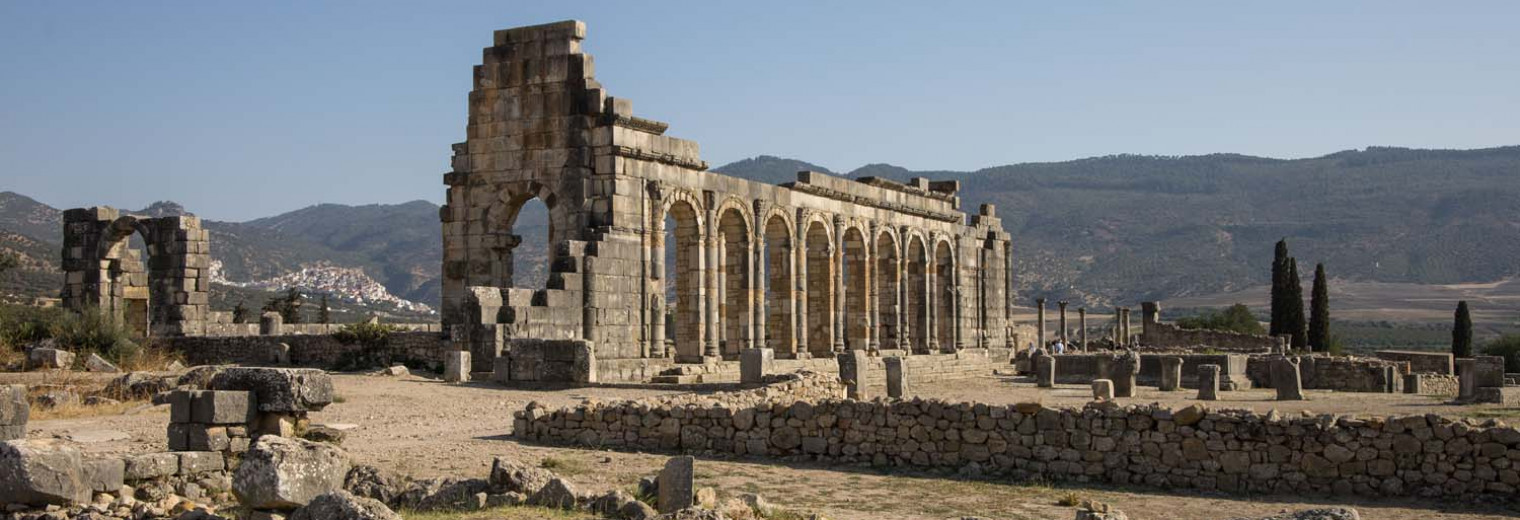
(426, 428)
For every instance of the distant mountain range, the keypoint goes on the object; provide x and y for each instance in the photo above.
(1101, 230)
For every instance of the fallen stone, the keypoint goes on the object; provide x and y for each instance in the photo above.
(105, 475)
(97, 436)
(151, 465)
(222, 407)
(281, 390)
(55, 398)
(96, 400)
(340, 505)
(439, 494)
(42, 358)
(15, 411)
(1336, 513)
(95, 363)
(282, 474)
(637, 511)
(395, 371)
(510, 476)
(139, 385)
(371, 482)
(199, 377)
(325, 434)
(676, 484)
(557, 494)
(41, 472)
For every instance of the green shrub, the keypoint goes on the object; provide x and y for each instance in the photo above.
(23, 324)
(372, 333)
(1508, 346)
(86, 331)
(1236, 318)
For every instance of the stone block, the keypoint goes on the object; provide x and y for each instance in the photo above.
(1103, 390)
(280, 390)
(854, 366)
(15, 411)
(222, 407)
(501, 369)
(1286, 379)
(897, 376)
(1506, 395)
(180, 405)
(1171, 374)
(456, 366)
(179, 435)
(283, 474)
(754, 363)
(151, 465)
(271, 324)
(1208, 382)
(49, 358)
(1488, 371)
(202, 437)
(95, 363)
(341, 505)
(198, 462)
(104, 475)
(41, 472)
(1045, 371)
(677, 484)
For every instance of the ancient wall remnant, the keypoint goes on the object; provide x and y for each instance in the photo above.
(807, 268)
(1422, 362)
(165, 294)
(1233, 451)
(1343, 374)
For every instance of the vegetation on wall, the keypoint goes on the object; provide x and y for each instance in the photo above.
(1235, 318)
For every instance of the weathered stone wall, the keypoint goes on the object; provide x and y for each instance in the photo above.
(1422, 362)
(1344, 374)
(1217, 450)
(1155, 334)
(1432, 384)
(965, 364)
(1084, 368)
(314, 350)
(757, 265)
(165, 294)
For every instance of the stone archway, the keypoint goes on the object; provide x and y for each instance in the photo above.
(683, 286)
(780, 328)
(819, 251)
(944, 296)
(855, 271)
(736, 304)
(165, 294)
(916, 304)
(889, 277)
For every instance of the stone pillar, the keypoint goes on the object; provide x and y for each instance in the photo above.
(853, 368)
(677, 484)
(1171, 373)
(15, 411)
(1045, 371)
(837, 257)
(271, 324)
(1082, 326)
(456, 368)
(1150, 316)
(1208, 382)
(1125, 368)
(1286, 379)
(754, 364)
(1040, 321)
(1118, 326)
(1062, 320)
(710, 349)
(800, 294)
(1466, 378)
(897, 376)
(1103, 390)
(1124, 321)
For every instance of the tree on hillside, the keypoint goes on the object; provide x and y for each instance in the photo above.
(324, 314)
(1279, 287)
(1319, 312)
(289, 305)
(1461, 332)
(8, 262)
(239, 313)
(1293, 314)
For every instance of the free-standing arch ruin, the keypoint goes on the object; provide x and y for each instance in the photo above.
(809, 267)
(165, 294)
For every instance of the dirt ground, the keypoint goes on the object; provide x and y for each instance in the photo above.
(423, 427)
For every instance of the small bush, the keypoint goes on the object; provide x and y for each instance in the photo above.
(1069, 499)
(1507, 346)
(369, 333)
(1236, 318)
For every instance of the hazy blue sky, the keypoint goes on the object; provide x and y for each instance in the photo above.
(247, 109)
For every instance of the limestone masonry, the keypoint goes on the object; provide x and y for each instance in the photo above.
(808, 268)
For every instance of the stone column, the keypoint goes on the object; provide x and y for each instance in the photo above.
(1286, 379)
(1062, 320)
(271, 324)
(800, 294)
(1208, 382)
(837, 257)
(897, 376)
(457, 367)
(1040, 321)
(1082, 326)
(710, 294)
(1045, 371)
(869, 304)
(1150, 316)
(1124, 326)
(1171, 373)
(1118, 326)
(931, 309)
(756, 293)
(1125, 368)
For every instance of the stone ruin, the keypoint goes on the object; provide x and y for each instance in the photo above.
(165, 294)
(809, 268)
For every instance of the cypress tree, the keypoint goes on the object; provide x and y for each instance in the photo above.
(1461, 332)
(324, 315)
(1319, 312)
(1279, 288)
(1293, 312)
(239, 313)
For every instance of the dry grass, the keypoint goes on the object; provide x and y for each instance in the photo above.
(151, 358)
(501, 513)
(82, 385)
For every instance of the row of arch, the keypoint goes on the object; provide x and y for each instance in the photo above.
(803, 286)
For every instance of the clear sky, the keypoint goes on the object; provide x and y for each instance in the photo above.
(247, 109)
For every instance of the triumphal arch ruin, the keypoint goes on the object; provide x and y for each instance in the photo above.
(807, 268)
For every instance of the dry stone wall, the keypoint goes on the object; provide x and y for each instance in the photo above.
(1190, 448)
(1344, 374)
(964, 364)
(1156, 334)
(1084, 368)
(1422, 362)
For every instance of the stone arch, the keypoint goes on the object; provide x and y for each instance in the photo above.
(916, 294)
(159, 290)
(818, 261)
(515, 246)
(889, 276)
(855, 277)
(734, 240)
(944, 295)
(683, 289)
(779, 296)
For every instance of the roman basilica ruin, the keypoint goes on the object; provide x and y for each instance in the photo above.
(806, 268)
